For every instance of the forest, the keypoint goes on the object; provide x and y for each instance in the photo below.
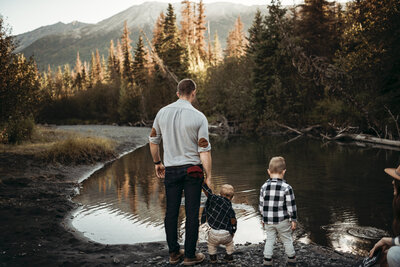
(317, 63)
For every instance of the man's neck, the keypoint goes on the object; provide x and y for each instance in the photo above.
(186, 99)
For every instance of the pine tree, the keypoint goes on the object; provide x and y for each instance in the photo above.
(172, 51)
(67, 81)
(119, 59)
(139, 64)
(236, 42)
(316, 27)
(187, 23)
(127, 56)
(217, 55)
(255, 33)
(158, 32)
(200, 30)
(113, 64)
(78, 83)
(98, 67)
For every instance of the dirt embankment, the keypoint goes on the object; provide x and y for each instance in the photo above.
(35, 202)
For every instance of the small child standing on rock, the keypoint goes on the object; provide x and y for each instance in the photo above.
(279, 212)
(219, 214)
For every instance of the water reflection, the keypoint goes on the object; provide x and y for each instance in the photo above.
(342, 194)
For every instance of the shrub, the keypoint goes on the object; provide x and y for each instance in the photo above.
(17, 130)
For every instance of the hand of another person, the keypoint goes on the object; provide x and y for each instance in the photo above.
(384, 241)
(294, 225)
(160, 170)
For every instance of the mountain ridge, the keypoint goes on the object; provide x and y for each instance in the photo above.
(60, 43)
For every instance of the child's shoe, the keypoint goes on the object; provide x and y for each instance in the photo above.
(228, 258)
(291, 261)
(213, 258)
(267, 262)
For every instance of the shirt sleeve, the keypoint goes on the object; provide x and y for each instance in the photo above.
(396, 241)
(202, 137)
(207, 191)
(155, 134)
(291, 204)
(261, 206)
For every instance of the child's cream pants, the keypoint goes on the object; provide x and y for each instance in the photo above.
(219, 237)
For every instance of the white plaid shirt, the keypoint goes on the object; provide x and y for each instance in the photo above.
(277, 201)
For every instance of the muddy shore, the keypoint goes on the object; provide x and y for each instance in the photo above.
(35, 205)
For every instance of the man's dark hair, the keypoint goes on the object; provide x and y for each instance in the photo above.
(186, 87)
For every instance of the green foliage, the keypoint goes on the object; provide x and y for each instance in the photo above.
(19, 91)
(17, 130)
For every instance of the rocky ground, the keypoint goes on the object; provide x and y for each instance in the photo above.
(35, 204)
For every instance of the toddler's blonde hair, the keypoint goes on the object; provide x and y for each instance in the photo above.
(227, 190)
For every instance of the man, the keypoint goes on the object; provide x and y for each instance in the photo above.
(184, 131)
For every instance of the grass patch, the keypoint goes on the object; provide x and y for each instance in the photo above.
(80, 150)
(66, 147)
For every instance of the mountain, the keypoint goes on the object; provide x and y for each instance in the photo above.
(26, 39)
(58, 44)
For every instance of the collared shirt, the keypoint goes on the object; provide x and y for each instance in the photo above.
(184, 131)
(218, 212)
(277, 201)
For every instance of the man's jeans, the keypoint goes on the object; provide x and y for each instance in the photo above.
(177, 180)
(393, 256)
(285, 234)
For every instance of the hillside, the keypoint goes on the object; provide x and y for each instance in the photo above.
(57, 44)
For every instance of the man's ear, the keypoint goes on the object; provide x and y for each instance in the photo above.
(283, 172)
(177, 94)
(269, 173)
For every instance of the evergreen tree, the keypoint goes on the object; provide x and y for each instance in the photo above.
(158, 32)
(78, 82)
(277, 86)
(216, 49)
(113, 64)
(98, 67)
(316, 28)
(255, 33)
(200, 30)
(139, 64)
(171, 51)
(187, 23)
(127, 55)
(119, 59)
(236, 42)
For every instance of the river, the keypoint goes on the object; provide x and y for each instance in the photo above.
(342, 194)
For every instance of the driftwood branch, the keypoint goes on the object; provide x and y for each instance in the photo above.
(341, 135)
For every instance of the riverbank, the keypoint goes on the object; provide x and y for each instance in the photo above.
(35, 203)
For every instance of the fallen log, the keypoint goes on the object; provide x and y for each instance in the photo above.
(367, 139)
(342, 136)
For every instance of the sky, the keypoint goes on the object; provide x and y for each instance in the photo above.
(26, 15)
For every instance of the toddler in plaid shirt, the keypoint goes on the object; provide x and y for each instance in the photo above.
(279, 212)
(219, 214)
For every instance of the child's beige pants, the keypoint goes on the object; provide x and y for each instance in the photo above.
(219, 237)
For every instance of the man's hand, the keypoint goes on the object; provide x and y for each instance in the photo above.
(160, 170)
(294, 225)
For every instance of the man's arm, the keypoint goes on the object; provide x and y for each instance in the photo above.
(205, 158)
(155, 154)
